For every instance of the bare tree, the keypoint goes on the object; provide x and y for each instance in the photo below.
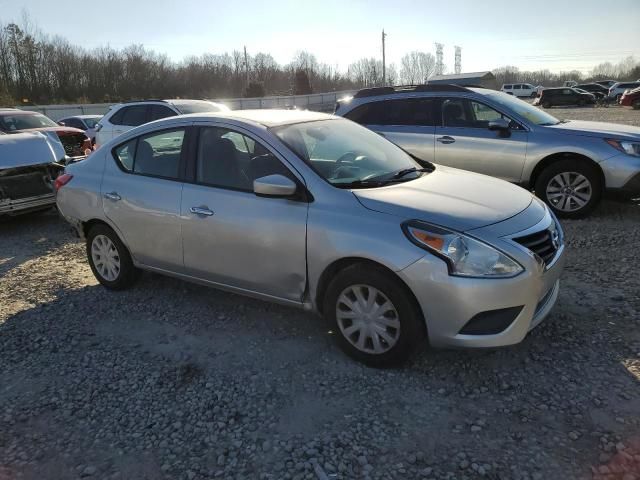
(417, 67)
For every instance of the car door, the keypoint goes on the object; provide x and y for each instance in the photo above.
(141, 190)
(233, 237)
(463, 140)
(409, 123)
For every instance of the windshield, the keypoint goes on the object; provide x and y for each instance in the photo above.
(91, 122)
(522, 108)
(196, 106)
(23, 121)
(348, 155)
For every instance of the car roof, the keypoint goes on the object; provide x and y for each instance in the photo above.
(266, 117)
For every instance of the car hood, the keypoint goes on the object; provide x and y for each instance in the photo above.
(596, 129)
(449, 197)
(24, 149)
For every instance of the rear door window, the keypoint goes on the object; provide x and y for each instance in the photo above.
(131, 116)
(409, 111)
(160, 111)
(156, 154)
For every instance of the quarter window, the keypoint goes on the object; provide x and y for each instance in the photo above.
(229, 159)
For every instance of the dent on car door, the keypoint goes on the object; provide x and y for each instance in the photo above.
(233, 237)
(464, 140)
(141, 190)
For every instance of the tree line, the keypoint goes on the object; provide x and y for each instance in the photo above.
(38, 69)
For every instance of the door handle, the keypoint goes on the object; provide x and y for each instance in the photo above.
(201, 211)
(446, 139)
(113, 196)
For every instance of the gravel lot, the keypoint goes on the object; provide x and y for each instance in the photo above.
(174, 380)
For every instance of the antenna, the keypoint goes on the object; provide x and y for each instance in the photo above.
(384, 69)
(439, 63)
(458, 66)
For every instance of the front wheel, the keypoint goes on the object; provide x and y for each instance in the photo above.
(571, 187)
(109, 259)
(375, 318)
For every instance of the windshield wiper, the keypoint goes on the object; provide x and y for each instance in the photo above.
(407, 171)
(360, 183)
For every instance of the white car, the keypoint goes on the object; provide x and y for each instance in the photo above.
(125, 116)
(617, 89)
(520, 89)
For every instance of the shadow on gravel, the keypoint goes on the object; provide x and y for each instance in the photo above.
(22, 231)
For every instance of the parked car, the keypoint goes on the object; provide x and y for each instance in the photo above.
(631, 98)
(314, 211)
(568, 163)
(607, 83)
(29, 164)
(86, 123)
(520, 89)
(74, 141)
(598, 90)
(124, 116)
(554, 97)
(617, 89)
(570, 83)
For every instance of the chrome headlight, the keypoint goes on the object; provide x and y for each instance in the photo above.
(465, 256)
(630, 148)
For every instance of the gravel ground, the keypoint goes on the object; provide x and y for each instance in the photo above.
(178, 381)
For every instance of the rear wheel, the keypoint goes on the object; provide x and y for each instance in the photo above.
(109, 259)
(571, 187)
(546, 104)
(375, 319)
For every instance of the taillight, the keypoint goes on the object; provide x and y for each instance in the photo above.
(62, 180)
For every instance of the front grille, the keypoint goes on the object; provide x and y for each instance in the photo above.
(72, 144)
(544, 244)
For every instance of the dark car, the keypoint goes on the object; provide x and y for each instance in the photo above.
(86, 123)
(631, 98)
(554, 97)
(607, 83)
(74, 140)
(600, 91)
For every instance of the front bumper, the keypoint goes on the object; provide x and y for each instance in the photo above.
(622, 174)
(25, 205)
(449, 303)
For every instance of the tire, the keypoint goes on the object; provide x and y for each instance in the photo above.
(618, 97)
(398, 343)
(570, 173)
(636, 105)
(581, 103)
(103, 241)
(546, 105)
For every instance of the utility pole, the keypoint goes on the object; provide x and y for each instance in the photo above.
(384, 66)
(246, 67)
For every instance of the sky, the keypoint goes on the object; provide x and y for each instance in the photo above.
(554, 34)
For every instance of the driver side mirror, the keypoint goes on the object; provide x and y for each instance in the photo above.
(499, 124)
(274, 186)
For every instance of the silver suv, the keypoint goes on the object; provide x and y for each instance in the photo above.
(314, 211)
(569, 163)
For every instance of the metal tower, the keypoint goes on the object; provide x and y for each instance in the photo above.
(458, 67)
(439, 63)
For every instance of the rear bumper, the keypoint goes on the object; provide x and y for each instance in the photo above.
(26, 205)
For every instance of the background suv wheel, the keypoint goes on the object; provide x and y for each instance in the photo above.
(375, 318)
(571, 187)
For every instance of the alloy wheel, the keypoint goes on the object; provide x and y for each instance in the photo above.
(569, 191)
(367, 319)
(105, 257)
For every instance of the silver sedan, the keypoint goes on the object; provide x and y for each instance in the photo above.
(314, 211)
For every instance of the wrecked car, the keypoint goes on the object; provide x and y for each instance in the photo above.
(75, 142)
(29, 164)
